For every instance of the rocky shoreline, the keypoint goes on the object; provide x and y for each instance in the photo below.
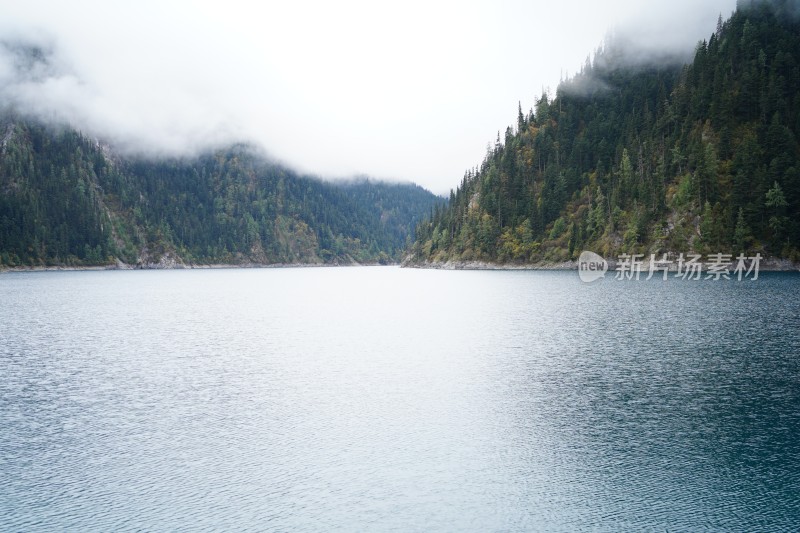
(175, 266)
(768, 264)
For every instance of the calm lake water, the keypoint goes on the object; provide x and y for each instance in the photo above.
(387, 399)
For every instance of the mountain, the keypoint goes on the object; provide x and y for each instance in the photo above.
(638, 156)
(69, 200)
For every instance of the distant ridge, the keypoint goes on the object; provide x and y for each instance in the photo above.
(67, 200)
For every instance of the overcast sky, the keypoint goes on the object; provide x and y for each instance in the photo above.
(409, 91)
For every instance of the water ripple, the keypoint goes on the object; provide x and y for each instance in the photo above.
(396, 400)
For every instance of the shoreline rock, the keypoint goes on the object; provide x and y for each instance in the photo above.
(176, 266)
(769, 264)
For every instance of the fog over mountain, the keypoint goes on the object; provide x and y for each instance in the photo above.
(411, 92)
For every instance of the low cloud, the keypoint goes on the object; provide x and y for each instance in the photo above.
(407, 91)
(37, 79)
(657, 36)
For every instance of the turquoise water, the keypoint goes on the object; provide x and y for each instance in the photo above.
(387, 399)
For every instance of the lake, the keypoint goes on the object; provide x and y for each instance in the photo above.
(388, 399)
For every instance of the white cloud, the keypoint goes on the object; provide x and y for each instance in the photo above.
(410, 90)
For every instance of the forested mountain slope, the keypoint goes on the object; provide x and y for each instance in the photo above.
(645, 157)
(68, 200)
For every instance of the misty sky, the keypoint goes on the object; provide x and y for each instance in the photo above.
(409, 91)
